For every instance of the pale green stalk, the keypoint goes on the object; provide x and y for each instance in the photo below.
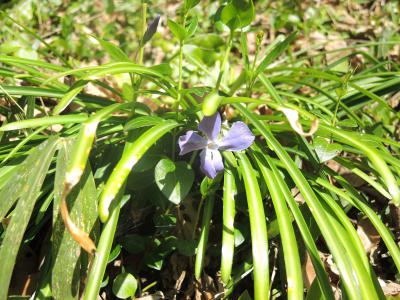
(228, 228)
(130, 157)
(289, 243)
(205, 229)
(258, 228)
(349, 281)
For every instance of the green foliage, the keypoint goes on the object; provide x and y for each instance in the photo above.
(173, 179)
(124, 286)
(93, 102)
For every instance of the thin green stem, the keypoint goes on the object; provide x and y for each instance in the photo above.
(143, 30)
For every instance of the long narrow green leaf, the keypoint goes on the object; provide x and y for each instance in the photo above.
(54, 93)
(274, 54)
(45, 121)
(355, 199)
(322, 277)
(130, 157)
(133, 152)
(66, 253)
(69, 96)
(258, 228)
(205, 229)
(289, 244)
(316, 208)
(375, 158)
(11, 191)
(228, 228)
(22, 213)
(352, 242)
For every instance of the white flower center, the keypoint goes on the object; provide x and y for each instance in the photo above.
(212, 146)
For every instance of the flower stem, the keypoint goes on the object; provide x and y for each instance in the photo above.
(143, 30)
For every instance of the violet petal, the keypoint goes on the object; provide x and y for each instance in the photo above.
(191, 141)
(211, 162)
(238, 138)
(211, 126)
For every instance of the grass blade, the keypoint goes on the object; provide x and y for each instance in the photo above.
(66, 253)
(228, 228)
(258, 228)
(205, 229)
(22, 213)
(288, 239)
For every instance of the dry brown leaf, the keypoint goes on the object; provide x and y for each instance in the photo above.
(77, 234)
(156, 296)
(369, 236)
(308, 271)
(390, 288)
(293, 118)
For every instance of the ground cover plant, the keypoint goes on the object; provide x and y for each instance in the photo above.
(199, 150)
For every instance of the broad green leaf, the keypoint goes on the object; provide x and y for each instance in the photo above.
(114, 51)
(6, 173)
(83, 211)
(159, 251)
(238, 14)
(124, 286)
(325, 150)
(185, 247)
(191, 28)
(29, 192)
(134, 243)
(177, 30)
(289, 242)
(174, 179)
(210, 41)
(199, 56)
(188, 4)
(114, 253)
(163, 69)
(314, 292)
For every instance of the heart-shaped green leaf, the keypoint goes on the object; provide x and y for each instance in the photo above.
(238, 14)
(325, 151)
(124, 286)
(174, 179)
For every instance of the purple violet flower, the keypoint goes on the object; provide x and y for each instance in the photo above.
(238, 137)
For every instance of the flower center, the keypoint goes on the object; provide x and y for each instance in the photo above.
(212, 146)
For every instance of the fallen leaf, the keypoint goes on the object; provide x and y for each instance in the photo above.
(369, 236)
(78, 234)
(293, 118)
